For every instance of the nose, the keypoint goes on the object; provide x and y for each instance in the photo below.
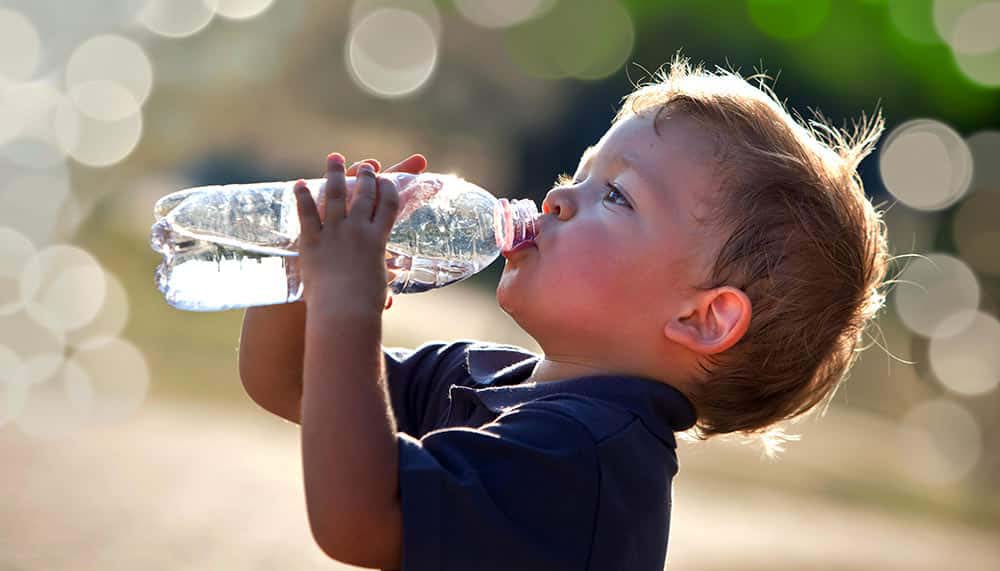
(560, 203)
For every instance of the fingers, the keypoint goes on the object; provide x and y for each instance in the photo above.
(388, 205)
(336, 188)
(414, 164)
(353, 170)
(308, 216)
(377, 199)
(363, 204)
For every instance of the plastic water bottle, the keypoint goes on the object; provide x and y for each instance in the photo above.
(233, 246)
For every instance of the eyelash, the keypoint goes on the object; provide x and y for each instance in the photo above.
(566, 180)
(612, 187)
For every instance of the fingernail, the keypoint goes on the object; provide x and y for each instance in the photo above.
(335, 159)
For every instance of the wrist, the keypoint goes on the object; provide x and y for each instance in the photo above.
(352, 308)
(334, 296)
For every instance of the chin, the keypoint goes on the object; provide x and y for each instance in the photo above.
(505, 299)
(512, 300)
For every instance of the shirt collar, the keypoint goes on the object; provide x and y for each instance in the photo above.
(501, 371)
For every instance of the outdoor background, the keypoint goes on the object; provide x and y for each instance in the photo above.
(126, 441)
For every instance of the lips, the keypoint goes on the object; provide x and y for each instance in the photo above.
(522, 246)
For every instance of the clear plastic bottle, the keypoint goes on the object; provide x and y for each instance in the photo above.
(233, 246)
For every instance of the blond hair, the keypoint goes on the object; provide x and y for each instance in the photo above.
(802, 241)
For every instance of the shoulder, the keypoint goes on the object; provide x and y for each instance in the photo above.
(477, 357)
(600, 419)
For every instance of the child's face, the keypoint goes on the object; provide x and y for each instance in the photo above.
(618, 248)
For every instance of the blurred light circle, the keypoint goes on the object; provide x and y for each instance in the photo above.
(178, 18)
(242, 9)
(28, 338)
(976, 30)
(606, 52)
(39, 368)
(16, 250)
(109, 63)
(551, 46)
(10, 363)
(20, 46)
(104, 100)
(968, 362)
(110, 320)
(426, 9)
(980, 68)
(969, 28)
(116, 382)
(21, 209)
(94, 142)
(11, 122)
(926, 164)
(492, 14)
(976, 231)
(946, 14)
(940, 441)
(788, 19)
(49, 411)
(13, 394)
(30, 139)
(64, 24)
(64, 287)
(392, 53)
(934, 289)
(913, 20)
(985, 148)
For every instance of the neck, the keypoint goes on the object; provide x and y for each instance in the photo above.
(551, 368)
(558, 368)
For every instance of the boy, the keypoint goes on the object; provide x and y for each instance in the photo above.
(711, 266)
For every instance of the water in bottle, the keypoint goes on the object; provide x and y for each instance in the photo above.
(233, 246)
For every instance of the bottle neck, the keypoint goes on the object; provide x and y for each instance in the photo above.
(518, 224)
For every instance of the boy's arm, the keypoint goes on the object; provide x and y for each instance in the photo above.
(272, 345)
(349, 449)
(347, 396)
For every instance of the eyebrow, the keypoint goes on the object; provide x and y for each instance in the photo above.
(629, 162)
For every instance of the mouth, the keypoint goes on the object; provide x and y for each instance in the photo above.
(526, 244)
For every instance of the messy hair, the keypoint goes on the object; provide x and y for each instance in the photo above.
(801, 240)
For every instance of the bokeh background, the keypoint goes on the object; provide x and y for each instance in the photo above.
(126, 441)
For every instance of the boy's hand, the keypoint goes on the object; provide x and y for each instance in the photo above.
(413, 164)
(342, 256)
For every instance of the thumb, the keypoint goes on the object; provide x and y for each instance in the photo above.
(413, 164)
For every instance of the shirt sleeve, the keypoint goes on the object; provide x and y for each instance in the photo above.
(518, 493)
(418, 381)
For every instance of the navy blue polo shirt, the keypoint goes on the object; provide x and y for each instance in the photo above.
(497, 474)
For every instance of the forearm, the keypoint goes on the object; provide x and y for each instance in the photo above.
(348, 432)
(270, 359)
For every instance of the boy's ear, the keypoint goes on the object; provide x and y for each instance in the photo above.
(717, 319)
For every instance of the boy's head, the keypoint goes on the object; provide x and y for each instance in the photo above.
(710, 241)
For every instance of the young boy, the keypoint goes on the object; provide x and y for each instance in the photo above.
(710, 266)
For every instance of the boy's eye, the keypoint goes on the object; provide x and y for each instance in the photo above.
(612, 190)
